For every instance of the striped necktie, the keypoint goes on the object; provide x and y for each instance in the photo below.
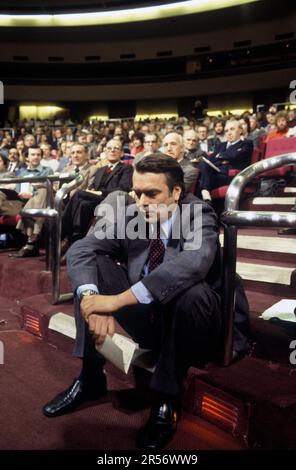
(156, 251)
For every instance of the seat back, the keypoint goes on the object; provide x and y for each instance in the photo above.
(277, 147)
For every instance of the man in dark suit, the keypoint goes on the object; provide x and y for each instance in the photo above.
(234, 154)
(161, 293)
(80, 208)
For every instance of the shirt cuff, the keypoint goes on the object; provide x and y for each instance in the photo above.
(84, 287)
(142, 294)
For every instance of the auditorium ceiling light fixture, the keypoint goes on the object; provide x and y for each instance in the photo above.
(118, 16)
(227, 112)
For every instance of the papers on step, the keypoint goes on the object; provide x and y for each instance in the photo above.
(285, 310)
(123, 352)
(63, 324)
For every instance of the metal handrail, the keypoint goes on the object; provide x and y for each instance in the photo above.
(47, 180)
(231, 219)
(55, 217)
(62, 177)
(56, 259)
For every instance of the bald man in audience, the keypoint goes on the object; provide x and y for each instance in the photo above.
(192, 151)
(173, 146)
(235, 154)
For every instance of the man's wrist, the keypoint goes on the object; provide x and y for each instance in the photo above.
(125, 298)
(87, 293)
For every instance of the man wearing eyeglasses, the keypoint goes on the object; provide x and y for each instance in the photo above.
(151, 144)
(80, 209)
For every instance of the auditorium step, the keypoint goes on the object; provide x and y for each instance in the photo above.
(253, 397)
(25, 277)
(229, 398)
(279, 204)
(290, 190)
(267, 244)
(33, 373)
(266, 273)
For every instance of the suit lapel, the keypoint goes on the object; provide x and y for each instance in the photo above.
(138, 254)
(98, 178)
(113, 173)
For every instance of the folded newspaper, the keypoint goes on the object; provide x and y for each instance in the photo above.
(118, 349)
(285, 310)
(123, 352)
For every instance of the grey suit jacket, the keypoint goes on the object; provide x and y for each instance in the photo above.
(88, 171)
(182, 267)
(190, 174)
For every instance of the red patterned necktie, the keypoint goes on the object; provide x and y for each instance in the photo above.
(156, 251)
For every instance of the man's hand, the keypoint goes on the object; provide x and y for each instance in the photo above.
(101, 326)
(98, 304)
(25, 195)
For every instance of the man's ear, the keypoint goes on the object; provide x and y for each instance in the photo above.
(177, 193)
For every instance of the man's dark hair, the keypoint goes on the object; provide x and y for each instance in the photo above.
(160, 163)
(26, 152)
(4, 159)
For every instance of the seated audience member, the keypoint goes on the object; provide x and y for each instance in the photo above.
(205, 144)
(56, 139)
(20, 146)
(4, 147)
(8, 206)
(162, 294)
(64, 155)
(270, 117)
(281, 127)
(257, 132)
(80, 165)
(151, 144)
(29, 141)
(246, 128)
(15, 164)
(33, 196)
(4, 172)
(173, 146)
(292, 118)
(191, 146)
(137, 143)
(79, 211)
(219, 130)
(47, 159)
(233, 154)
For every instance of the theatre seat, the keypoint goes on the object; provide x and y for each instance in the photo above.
(9, 219)
(219, 193)
(276, 147)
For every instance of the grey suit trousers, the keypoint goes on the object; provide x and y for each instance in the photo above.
(183, 333)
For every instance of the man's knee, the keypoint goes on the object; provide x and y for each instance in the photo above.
(200, 296)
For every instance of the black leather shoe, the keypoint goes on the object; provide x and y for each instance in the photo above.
(27, 251)
(159, 429)
(72, 397)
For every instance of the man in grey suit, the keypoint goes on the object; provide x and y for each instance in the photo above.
(160, 289)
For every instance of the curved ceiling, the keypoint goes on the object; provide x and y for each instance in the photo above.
(118, 15)
(50, 6)
(242, 14)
